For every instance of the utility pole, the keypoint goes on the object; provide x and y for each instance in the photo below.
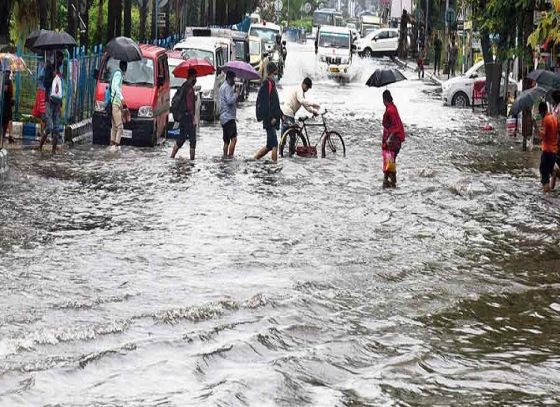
(427, 12)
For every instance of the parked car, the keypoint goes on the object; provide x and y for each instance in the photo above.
(175, 58)
(458, 91)
(384, 41)
(146, 94)
(213, 51)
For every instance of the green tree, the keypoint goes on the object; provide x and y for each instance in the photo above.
(548, 27)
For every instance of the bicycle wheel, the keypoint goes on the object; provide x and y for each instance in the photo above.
(290, 140)
(333, 144)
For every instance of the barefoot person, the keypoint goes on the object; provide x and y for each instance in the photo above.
(268, 111)
(187, 126)
(117, 101)
(393, 137)
(228, 113)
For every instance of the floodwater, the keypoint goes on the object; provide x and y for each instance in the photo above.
(129, 279)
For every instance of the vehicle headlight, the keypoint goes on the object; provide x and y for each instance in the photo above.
(100, 106)
(146, 111)
(208, 94)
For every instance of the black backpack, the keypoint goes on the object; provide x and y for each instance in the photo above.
(178, 108)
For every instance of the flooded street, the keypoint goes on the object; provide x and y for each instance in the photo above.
(127, 278)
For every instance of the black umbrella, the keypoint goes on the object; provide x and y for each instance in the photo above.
(527, 99)
(124, 49)
(384, 77)
(51, 40)
(544, 78)
(31, 38)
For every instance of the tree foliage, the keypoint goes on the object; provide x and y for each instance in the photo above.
(548, 28)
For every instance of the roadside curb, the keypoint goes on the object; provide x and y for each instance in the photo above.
(3, 161)
(427, 75)
(78, 132)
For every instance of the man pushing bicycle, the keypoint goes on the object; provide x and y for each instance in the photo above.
(294, 100)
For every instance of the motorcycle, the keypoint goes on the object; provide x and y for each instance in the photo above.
(278, 59)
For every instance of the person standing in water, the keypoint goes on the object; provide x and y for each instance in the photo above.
(228, 113)
(393, 137)
(269, 112)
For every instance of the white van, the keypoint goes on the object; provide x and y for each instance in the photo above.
(266, 31)
(213, 50)
(334, 51)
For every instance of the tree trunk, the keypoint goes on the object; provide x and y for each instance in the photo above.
(99, 23)
(84, 31)
(493, 74)
(127, 19)
(143, 22)
(5, 14)
(111, 20)
(43, 7)
(118, 17)
(71, 18)
(53, 14)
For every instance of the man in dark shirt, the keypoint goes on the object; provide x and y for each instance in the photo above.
(437, 54)
(188, 125)
(268, 105)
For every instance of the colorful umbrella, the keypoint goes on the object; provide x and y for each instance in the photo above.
(201, 66)
(384, 77)
(242, 70)
(11, 62)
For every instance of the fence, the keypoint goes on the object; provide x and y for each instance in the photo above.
(79, 85)
(79, 82)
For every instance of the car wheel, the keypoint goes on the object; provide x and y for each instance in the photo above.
(367, 53)
(460, 99)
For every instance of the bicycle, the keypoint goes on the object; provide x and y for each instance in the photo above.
(331, 141)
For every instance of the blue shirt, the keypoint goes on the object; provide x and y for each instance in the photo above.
(228, 100)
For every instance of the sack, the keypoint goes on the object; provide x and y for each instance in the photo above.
(178, 106)
(389, 164)
(306, 151)
(39, 107)
(56, 90)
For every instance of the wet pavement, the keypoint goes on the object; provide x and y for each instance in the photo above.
(130, 279)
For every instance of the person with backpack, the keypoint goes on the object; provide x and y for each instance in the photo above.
(228, 113)
(269, 112)
(117, 104)
(53, 100)
(184, 108)
(393, 137)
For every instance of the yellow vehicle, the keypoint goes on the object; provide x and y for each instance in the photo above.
(259, 56)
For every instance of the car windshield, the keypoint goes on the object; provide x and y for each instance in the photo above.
(138, 73)
(189, 53)
(240, 51)
(267, 34)
(475, 69)
(334, 40)
(175, 82)
(323, 18)
(255, 48)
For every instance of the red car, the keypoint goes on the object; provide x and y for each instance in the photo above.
(146, 94)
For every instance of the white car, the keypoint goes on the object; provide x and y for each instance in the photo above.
(458, 91)
(382, 41)
(212, 50)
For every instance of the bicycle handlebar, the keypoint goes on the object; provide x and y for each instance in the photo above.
(305, 118)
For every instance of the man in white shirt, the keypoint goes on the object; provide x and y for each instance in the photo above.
(293, 101)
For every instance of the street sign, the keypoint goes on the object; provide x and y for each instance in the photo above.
(278, 6)
(307, 8)
(450, 16)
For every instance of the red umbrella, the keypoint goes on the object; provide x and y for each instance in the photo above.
(201, 66)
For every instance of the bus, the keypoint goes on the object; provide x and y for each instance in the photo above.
(326, 17)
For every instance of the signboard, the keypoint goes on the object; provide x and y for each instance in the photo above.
(307, 8)
(278, 6)
(450, 16)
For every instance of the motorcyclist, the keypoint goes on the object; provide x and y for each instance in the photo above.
(282, 52)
